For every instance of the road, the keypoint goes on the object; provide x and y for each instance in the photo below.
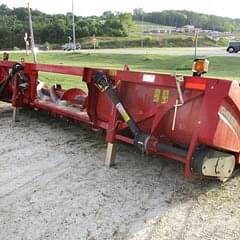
(53, 185)
(206, 52)
(210, 51)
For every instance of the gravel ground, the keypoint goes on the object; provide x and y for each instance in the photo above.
(53, 185)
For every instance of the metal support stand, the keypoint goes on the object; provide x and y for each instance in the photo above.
(15, 114)
(110, 155)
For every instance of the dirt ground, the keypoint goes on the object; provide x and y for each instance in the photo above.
(53, 185)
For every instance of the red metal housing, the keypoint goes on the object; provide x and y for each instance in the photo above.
(209, 114)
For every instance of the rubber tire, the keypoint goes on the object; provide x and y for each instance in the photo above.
(231, 50)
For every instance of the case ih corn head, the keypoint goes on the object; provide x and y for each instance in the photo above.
(194, 120)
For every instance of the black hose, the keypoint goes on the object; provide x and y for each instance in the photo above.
(102, 82)
(17, 67)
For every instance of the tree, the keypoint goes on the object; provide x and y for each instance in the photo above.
(138, 14)
(181, 18)
(4, 10)
(107, 14)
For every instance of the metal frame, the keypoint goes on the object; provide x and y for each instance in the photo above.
(150, 98)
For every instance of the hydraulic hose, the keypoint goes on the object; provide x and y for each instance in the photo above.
(17, 67)
(103, 84)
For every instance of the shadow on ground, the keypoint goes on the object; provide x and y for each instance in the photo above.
(53, 185)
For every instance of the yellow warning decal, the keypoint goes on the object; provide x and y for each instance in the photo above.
(122, 111)
(125, 117)
(156, 95)
(165, 96)
(113, 73)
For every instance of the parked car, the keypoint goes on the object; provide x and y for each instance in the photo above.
(233, 47)
(70, 46)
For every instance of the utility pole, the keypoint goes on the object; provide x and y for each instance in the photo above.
(31, 33)
(195, 38)
(73, 26)
(142, 31)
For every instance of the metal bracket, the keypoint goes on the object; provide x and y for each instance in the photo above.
(15, 115)
(110, 154)
(180, 101)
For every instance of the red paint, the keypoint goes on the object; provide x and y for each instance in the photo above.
(210, 114)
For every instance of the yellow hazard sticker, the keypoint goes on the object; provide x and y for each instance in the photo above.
(161, 96)
(123, 112)
(113, 73)
(157, 95)
(165, 96)
(125, 117)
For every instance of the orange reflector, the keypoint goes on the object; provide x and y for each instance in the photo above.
(195, 85)
(200, 65)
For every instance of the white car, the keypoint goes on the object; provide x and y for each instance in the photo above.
(70, 46)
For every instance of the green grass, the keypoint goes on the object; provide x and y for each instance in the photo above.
(221, 67)
(65, 80)
(150, 41)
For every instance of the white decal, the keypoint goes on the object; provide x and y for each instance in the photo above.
(148, 78)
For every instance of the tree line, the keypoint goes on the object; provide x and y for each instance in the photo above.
(57, 28)
(181, 18)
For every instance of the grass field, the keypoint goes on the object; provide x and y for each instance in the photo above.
(222, 67)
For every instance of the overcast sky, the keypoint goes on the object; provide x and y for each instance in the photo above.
(97, 7)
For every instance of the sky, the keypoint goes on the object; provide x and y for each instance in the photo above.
(97, 7)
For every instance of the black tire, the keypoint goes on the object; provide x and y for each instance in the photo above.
(231, 50)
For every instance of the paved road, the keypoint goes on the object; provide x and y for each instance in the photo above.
(210, 51)
(168, 51)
